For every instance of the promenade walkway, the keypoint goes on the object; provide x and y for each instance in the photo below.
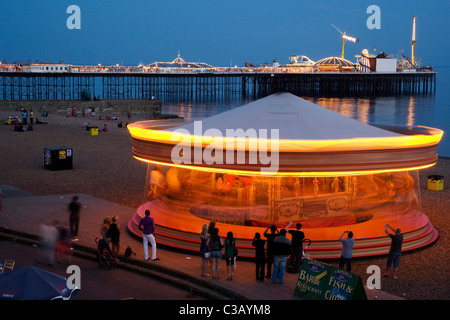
(22, 213)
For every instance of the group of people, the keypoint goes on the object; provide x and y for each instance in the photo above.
(274, 256)
(211, 251)
(55, 243)
(110, 232)
(110, 229)
(21, 124)
(55, 238)
(279, 248)
(281, 254)
(13, 120)
(394, 254)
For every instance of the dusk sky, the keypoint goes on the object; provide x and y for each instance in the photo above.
(221, 33)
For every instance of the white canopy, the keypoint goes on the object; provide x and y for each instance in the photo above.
(294, 117)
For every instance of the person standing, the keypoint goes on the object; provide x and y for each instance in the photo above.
(74, 217)
(230, 248)
(147, 226)
(114, 233)
(260, 256)
(62, 246)
(104, 229)
(48, 238)
(204, 236)
(31, 117)
(24, 116)
(270, 238)
(282, 247)
(156, 183)
(297, 248)
(215, 245)
(316, 187)
(395, 250)
(211, 227)
(347, 250)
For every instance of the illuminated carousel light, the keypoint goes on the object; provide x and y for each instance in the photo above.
(282, 159)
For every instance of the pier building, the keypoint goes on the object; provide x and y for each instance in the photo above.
(332, 76)
(178, 65)
(334, 64)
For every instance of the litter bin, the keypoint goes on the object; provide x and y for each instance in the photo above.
(58, 158)
(435, 182)
(93, 131)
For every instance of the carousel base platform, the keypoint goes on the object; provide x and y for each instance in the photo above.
(181, 231)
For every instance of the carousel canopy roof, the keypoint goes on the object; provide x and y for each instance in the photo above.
(294, 117)
(307, 139)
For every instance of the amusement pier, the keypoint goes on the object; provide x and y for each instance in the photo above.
(331, 76)
(371, 75)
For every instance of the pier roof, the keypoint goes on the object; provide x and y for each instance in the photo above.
(335, 63)
(179, 62)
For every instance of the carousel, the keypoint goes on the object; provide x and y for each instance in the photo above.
(283, 159)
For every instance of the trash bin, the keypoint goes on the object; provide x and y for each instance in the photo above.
(58, 158)
(435, 182)
(93, 131)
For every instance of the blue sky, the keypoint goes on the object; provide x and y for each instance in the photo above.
(221, 33)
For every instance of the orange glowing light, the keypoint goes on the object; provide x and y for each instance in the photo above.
(214, 184)
(286, 145)
(283, 174)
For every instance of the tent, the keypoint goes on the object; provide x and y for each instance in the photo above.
(32, 283)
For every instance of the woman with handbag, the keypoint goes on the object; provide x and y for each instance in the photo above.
(204, 251)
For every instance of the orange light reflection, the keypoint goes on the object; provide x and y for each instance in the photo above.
(284, 174)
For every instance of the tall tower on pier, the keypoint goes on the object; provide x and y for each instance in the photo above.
(413, 42)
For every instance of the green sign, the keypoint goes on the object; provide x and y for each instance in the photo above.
(320, 281)
(311, 280)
